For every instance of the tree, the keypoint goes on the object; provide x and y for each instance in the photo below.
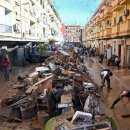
(51, 43)
(42, 49)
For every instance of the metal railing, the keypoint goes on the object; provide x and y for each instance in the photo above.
(5, 28)
(8, 1)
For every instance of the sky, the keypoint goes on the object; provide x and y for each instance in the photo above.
(76, 11)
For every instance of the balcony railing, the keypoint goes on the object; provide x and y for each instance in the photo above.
(101, 15)
(97, 35)
(101, 34)
(125, 28)
(123, 2)
(116, 4)
(8, 1)
(32, 32)
(115, 30)
(98, 20)
(32, 14)
(5, 28)
(108, 12)
(107, 32)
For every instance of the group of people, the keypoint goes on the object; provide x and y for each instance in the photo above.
(105, 76)
(114, 59)
(91, 51)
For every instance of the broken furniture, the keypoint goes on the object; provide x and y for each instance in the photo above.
(33, 77)
(66, 101)
(43, 71)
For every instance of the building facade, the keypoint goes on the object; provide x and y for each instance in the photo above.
(73, 34)
(27, 21)
(110, 29)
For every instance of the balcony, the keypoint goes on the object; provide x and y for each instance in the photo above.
(101, 34)
(101, 16)
(107, 32)
(98, 20)
(108, 12)
(125, 28)
(116, 5)
(5, 28)
(123, 2)
(97, 35)
(32, 32)
(8, 1)
(115, 30)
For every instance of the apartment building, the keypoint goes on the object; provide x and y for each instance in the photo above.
(27, 21)
(111, 22)
(73, 33)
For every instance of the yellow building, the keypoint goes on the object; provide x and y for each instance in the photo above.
(112, 29)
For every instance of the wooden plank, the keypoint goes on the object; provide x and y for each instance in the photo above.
(31, 89)
(34, 74)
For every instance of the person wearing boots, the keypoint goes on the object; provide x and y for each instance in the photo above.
(125, 93)
(105, 75)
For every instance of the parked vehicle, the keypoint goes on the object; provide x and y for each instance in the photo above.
(37, 58)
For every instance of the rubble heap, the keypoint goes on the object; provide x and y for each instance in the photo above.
(60, 93)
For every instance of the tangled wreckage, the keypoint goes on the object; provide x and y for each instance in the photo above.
(60, 93)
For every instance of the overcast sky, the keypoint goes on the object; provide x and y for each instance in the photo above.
(76, 11)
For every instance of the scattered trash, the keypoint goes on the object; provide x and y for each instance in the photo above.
(54, 92)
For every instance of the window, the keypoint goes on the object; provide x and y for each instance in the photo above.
(115, 21)
(41, 2)
(121, 19)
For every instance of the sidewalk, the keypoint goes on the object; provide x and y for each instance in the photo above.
(6, 85)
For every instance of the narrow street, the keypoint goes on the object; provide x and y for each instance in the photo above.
(65, 65)
(119, 81)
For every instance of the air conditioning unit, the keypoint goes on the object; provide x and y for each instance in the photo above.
(126, 12)
(16, 27)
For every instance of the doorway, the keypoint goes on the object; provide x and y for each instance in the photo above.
(119, 50)
(128, 57)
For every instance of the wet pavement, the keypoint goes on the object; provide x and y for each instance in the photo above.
(4, 87)
(16, 71)
(119, 81)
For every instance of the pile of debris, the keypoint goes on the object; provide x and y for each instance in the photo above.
(60, 93)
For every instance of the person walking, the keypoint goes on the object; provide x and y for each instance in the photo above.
(117, 61)
(125, 93)
(105, 75)
(6, 64)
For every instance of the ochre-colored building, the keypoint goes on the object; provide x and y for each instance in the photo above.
(109, 29)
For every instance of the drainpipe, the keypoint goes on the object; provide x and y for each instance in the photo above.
(125, 54)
